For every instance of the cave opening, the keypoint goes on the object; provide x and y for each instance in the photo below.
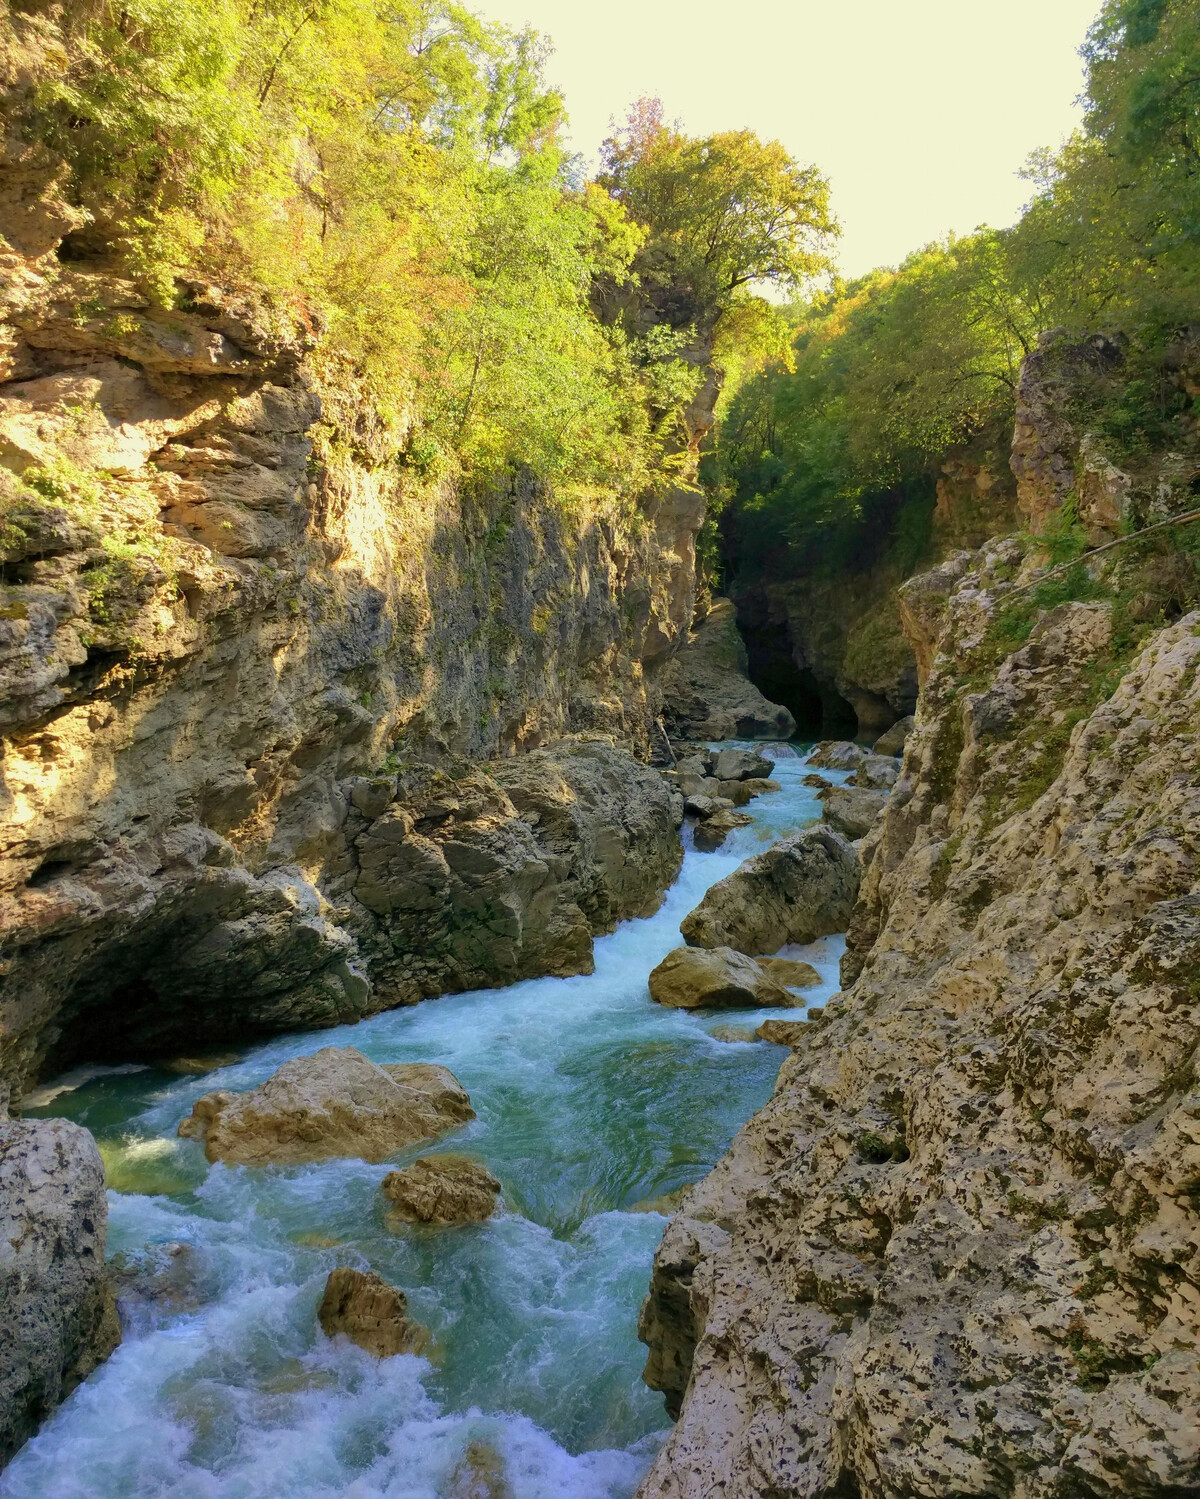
(819, 709)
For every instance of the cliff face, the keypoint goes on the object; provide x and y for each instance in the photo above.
(834, 633)
(232, 633)
(959, 1251)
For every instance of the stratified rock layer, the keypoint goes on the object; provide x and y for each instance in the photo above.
(959, 1251)
(56, 1311)
(335, 1102)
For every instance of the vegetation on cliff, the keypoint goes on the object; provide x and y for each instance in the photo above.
(392, 177)
(840, 446)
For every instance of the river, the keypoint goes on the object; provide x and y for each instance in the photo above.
(593, 1103)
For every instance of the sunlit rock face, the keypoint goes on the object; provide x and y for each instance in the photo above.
(957, 1253)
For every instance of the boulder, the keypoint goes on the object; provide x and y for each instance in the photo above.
(741, 765)
(877, 773)
(818, 783)
(441, 1189)
(801, 889)
(706, 806)
(371, 1313)
(713, 831)
(852, 810)
(734, 1034)
(741, 792)
(782, 1032)
(696, 764)
(693, 785)
(333, 1103)
(893, 740)
(693, 978)
(56, 1310)
(837, 754)
(790, 972)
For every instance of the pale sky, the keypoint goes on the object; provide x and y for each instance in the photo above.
(921, 112)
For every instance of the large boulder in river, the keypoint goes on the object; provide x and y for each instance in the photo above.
(371, 1313)
(57, 1317)
(741, 765)
(692, 978)
(441, 1189)
(335, 1102)
(802, 888)
(877, 772)
(707, 693)
(712, 832)
(837, 754)
(852, 810)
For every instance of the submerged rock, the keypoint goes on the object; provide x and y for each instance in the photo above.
(442, 1189)
(57, 1314)
(853, 810)
(371, 1313)
(333, 1103)
(733, 1034)
(801, 889)
(692, 978)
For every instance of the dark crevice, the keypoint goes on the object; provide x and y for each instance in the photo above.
(818, 708)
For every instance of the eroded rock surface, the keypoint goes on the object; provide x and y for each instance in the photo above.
(335, 1102)
(707, 692)
(441, 1189)
(57, 1313)
(802, 888)
(852, 810)
(369, 1312)
(695, 978)
(959, 1251)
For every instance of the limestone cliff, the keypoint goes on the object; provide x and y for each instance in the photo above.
(236, 639)
(959, 1251)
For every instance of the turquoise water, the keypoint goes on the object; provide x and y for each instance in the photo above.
(592, 1101)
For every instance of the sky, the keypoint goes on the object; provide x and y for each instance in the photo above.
(921, 112)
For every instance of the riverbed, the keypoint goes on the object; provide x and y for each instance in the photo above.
(594, 1105)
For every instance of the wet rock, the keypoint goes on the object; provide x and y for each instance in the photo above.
(818, 783)
(707, 693)
(837, 754)
(970, 1205)
(441, 1189)
(741, 765)
(801, 889)
(57, 1316)
(783, 1032)
(792, 973)
(893, 740)
(692, 978)
(333, 1103)
(741, 792)
(713, 831)
(198, 1066)
(371, 1313)
(877, 773)
(706, 806)
(852, 810)
(733, 1034)
(479, 1474)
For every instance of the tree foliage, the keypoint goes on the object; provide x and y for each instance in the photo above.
(892, 370)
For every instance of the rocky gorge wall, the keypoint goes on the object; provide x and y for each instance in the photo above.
(959, 1250)
(235, 641)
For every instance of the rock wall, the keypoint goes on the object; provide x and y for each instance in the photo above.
(833, 634)
(707, 693)
(959, 1251)
(249, 670)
